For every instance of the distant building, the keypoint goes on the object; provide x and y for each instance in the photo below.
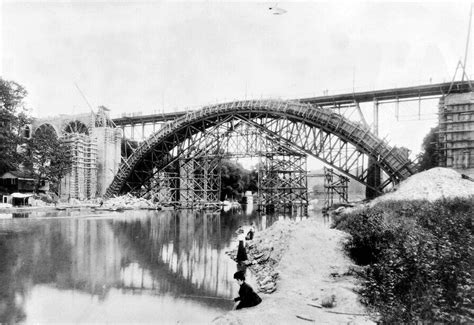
(16, 187)
(17, 181)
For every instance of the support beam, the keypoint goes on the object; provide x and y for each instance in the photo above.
(376, 117)
(373, 171)
(361, 115)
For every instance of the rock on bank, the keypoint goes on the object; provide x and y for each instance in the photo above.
(313, 268)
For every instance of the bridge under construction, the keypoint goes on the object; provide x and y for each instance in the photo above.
(179, 163)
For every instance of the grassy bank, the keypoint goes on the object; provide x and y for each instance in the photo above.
(418, 258)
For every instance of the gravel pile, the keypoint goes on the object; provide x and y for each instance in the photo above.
(431, 185)
(128, 201)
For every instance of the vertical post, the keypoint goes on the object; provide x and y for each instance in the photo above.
(373, 170)
(376, 117)
(397, 109)
(361, 115)
(419, 107)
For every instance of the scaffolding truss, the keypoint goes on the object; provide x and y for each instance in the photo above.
(455, 145)
(81, 181)
(336, 187)
(199, 181)
(282, 183)
(344, 145)
(194, 180)
(166, 185)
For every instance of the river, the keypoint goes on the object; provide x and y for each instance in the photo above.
(81, 266)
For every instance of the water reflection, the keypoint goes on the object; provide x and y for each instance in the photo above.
(87, 267)
(20, 215)
(184, 251)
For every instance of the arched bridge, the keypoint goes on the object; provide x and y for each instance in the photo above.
(319, 132)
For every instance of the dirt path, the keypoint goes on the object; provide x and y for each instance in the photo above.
(312, 269)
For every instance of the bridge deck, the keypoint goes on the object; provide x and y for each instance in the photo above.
(332, 100)
(390, 94)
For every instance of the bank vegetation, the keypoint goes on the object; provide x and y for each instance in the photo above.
(417, 258)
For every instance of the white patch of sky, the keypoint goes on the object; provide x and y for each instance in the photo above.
(148, 56)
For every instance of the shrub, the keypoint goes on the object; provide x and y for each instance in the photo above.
(419, 257)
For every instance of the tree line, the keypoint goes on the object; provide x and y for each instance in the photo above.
(42, 154)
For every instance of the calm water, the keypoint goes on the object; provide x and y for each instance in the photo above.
(136, 266)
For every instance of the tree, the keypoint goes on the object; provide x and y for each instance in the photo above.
(13, 120)
(50, 157)
(253, 181)
(429, 156)
(235, 179)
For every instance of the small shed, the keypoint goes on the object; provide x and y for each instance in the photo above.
(20, 198)
(16, 187)
(17, 181)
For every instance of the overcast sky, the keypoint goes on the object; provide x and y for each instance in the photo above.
(151, 55)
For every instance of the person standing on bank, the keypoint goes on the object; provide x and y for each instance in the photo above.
(247, 297)
(250, 233)
(241, 252)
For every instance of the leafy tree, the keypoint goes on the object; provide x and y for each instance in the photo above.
(253, 181)
(235, 180)
(429, 157)
(50, 157)
(13, 120)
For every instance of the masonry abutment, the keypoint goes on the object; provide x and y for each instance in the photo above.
(456, 133)
(95, 148)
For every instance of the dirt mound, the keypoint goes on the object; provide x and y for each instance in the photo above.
(265, 252)
(274, 240)
(314, 278)
(431, 185)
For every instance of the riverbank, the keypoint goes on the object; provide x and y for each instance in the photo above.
(46, 208)
(313, 272)
(125, 202)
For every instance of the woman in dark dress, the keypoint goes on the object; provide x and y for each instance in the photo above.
(250, 233)
(247, 297)
(241, 252)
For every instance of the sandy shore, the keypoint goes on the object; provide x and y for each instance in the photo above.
(313, 268)
(45, 208)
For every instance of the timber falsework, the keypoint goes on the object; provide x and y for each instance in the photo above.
(345, 145)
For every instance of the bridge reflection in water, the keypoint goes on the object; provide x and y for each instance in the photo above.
(184, 250)
(176, 259)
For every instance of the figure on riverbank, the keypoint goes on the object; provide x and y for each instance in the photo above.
(251, 232)
(242, 268)
(247, 297)
(241, 252)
